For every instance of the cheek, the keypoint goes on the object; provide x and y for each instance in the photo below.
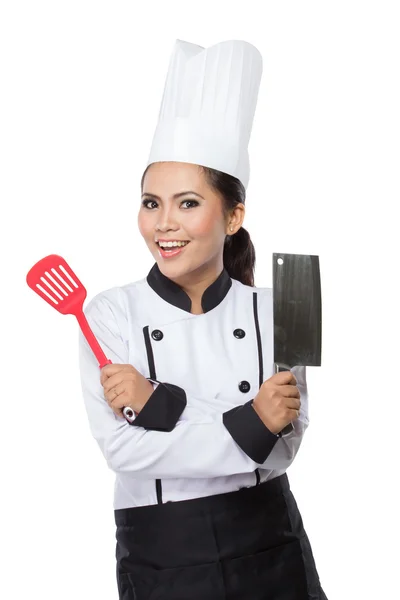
(206, 226)
(143, 224)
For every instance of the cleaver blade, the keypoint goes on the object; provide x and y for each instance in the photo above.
(297, 312)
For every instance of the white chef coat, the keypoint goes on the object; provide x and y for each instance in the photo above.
(219, 360)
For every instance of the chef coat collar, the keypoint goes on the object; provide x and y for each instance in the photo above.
(171, 292)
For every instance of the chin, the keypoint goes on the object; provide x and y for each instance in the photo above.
(177, 270)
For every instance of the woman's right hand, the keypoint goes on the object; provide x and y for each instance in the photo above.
(278, 401)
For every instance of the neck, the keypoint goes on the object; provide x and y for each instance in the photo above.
(196, 282)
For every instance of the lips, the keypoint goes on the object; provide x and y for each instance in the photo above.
(171, 251)
(167, 241)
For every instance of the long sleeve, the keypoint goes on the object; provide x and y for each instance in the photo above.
(195, 448)
(246, 428)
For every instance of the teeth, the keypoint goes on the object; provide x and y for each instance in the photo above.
(172, 244)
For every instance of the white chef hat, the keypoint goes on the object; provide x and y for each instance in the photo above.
(208, 106)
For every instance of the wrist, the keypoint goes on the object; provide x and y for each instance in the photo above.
(152, 387)
(137, 407)
(261, 415)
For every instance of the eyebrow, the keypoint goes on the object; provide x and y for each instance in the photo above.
(175, 196)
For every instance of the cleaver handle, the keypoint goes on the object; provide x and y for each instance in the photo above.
(278, 368)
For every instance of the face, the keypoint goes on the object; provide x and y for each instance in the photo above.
(178, 205)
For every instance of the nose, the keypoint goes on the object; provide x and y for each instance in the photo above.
(167, 220)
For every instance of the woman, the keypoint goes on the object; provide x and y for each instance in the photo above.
(203, 507)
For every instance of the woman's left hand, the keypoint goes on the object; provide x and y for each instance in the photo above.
(125, 386)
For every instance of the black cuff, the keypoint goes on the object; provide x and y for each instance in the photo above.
(163, 409)
(249, 432)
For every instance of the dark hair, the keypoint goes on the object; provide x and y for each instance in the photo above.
(239, 255)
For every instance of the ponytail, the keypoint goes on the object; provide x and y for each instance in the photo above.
(239, 257)
(239, 254)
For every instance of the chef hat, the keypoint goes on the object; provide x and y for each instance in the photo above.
(208, 106)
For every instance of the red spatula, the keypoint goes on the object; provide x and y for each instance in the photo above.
(54, 281)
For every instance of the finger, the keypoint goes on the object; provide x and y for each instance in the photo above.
(103, 377)
(293, 415)
(116, 397)
(119, 400)
(118, 403)
(289, 391)
(293, 404)
(117, 411)
(109, 370)
(111, 393)
(111, 382)
(284, 378)
(296, 414)
(106, 373)
(115, 380)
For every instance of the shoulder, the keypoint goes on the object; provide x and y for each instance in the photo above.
(263, 294)
(116, 302)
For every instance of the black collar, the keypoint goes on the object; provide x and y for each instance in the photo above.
(171, 292)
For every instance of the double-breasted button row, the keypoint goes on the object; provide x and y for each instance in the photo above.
(158, 335)
(244, 386)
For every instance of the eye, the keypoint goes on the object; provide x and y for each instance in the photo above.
(191, 201)
(145, 202)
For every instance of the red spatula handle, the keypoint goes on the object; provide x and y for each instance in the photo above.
(99, 354)
(93, 343)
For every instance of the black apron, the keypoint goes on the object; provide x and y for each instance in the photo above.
(244, 545)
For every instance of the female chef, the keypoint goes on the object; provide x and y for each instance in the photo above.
(203, 507)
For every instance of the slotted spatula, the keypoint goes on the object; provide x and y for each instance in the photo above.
(54, 281)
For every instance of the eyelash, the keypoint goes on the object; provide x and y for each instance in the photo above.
(145, 202)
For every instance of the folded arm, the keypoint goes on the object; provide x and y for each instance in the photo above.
(202, 446)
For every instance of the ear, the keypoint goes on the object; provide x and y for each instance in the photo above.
(236, 219)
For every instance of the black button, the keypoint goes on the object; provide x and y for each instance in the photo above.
(244, 386)
(157, 335)
(239, 333)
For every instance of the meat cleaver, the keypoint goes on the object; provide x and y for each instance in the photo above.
(297, 312)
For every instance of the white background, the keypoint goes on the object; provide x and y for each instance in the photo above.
(81, 85)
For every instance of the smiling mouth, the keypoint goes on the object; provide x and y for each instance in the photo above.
(186, 242)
